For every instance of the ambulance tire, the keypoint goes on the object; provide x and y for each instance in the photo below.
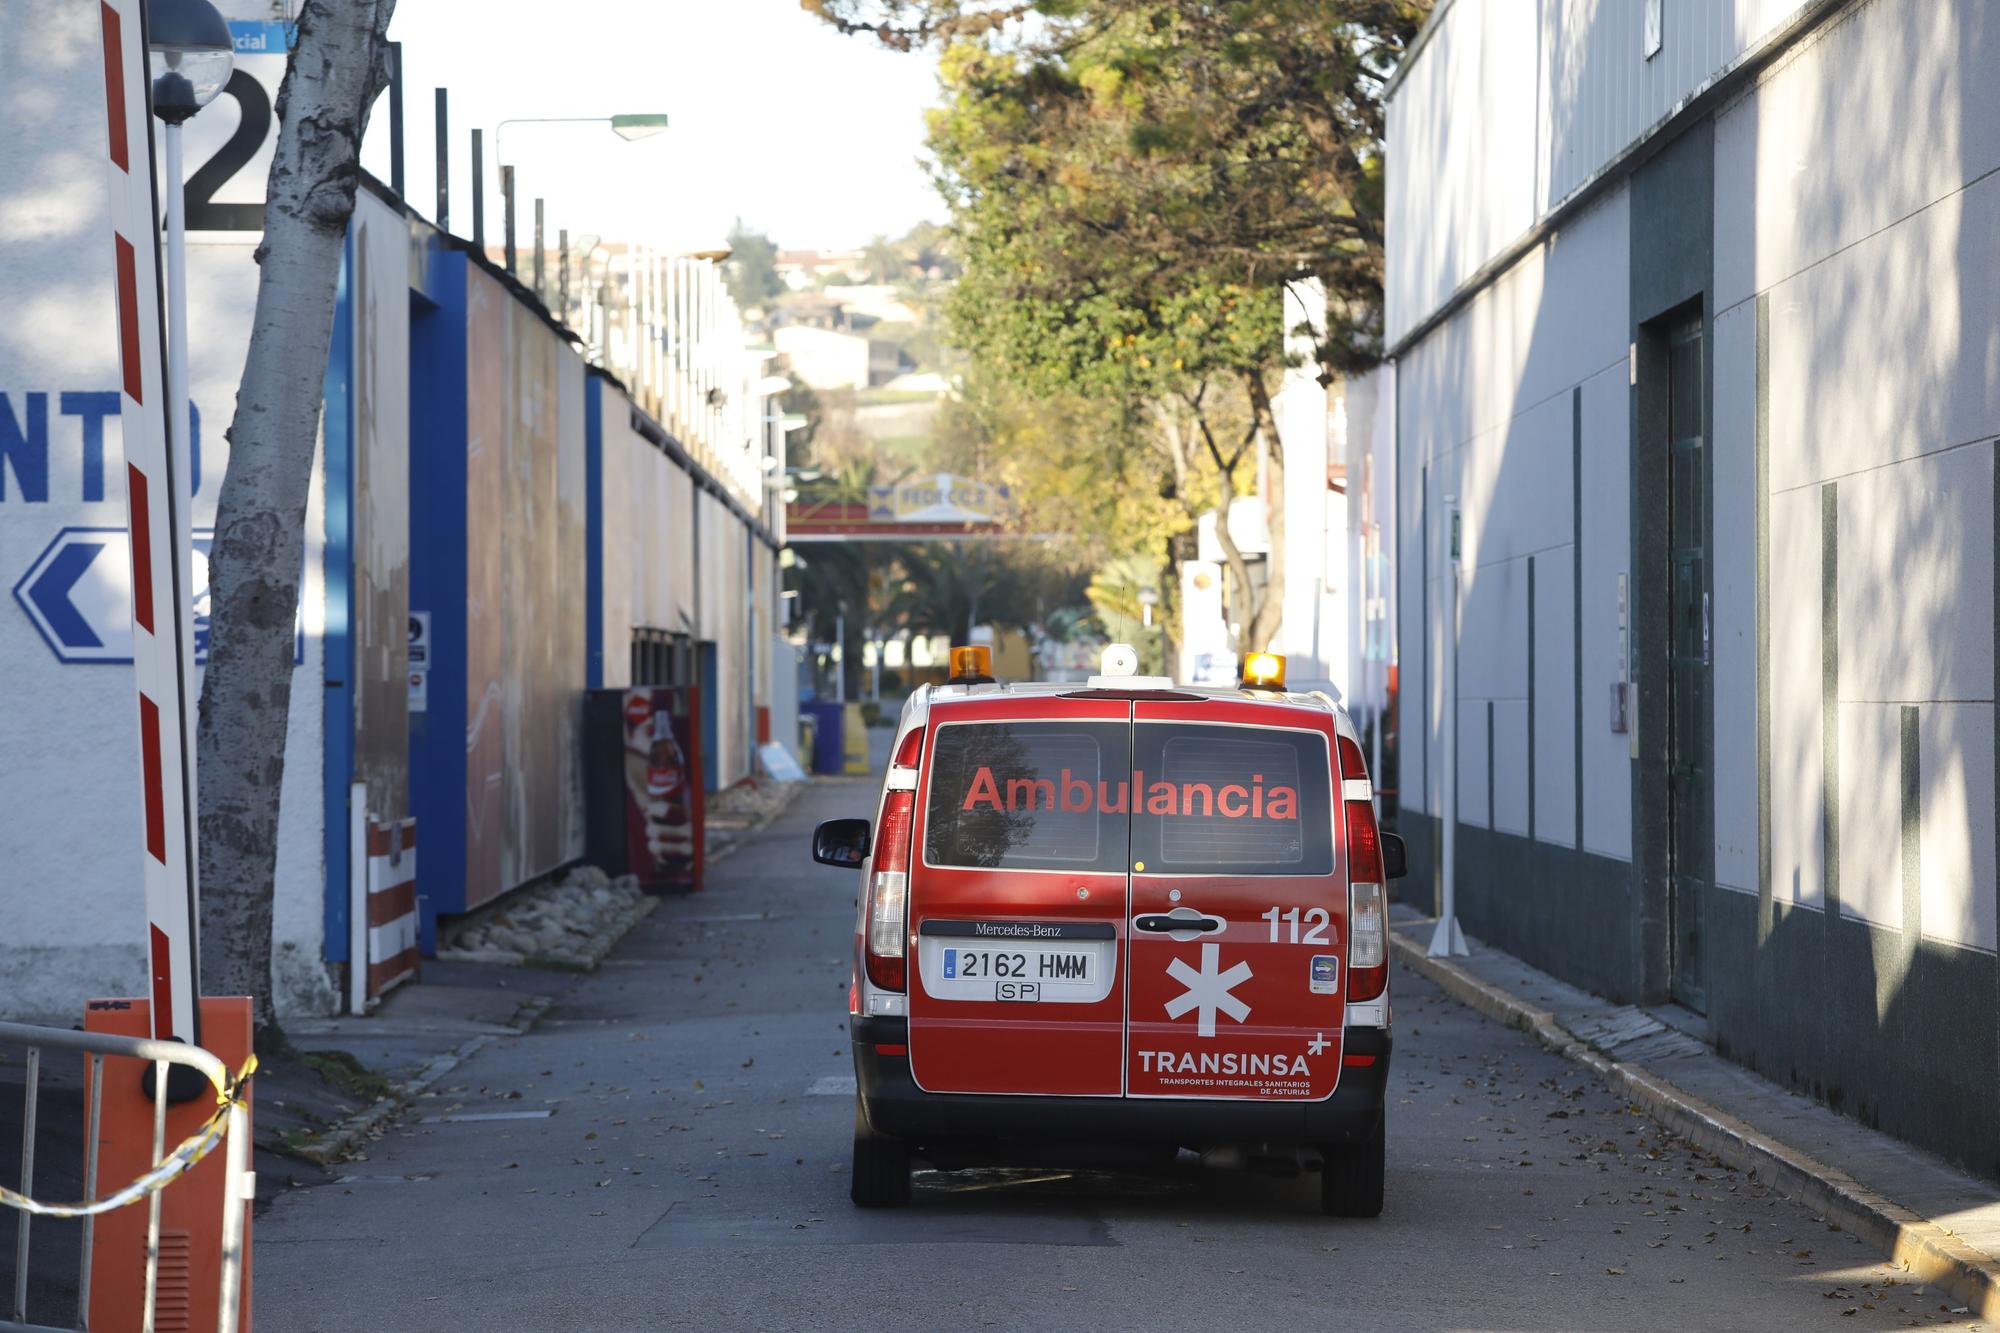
(880, 1176)
(1350, 1181)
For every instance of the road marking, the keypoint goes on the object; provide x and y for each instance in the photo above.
(832, 1085)
(473, 1117)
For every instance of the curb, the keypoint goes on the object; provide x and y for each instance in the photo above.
(328, 1148)
(1926, 1250)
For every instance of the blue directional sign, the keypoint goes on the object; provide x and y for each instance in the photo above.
(78, 595)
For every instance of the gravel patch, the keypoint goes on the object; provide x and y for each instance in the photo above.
(571, 922)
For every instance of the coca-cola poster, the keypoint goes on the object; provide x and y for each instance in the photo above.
(663, 787)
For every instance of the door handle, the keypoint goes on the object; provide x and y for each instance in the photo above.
(1181, 919)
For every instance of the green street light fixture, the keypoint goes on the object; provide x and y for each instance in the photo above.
(626, 125)
(641, 125)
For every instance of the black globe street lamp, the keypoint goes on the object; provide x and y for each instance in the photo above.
(190, 53)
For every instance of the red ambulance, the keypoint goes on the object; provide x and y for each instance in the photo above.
(1103, 923)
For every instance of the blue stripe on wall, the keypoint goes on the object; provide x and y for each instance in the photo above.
(338, 723)
(437, 584)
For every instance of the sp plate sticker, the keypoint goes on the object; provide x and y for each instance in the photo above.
(1325, 976)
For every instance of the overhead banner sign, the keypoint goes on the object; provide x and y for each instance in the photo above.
(923, 508)
(940, 498)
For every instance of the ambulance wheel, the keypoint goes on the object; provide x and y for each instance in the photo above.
(1350, 1182)
(880, 1177)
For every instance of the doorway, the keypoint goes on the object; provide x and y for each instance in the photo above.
(1690, 786)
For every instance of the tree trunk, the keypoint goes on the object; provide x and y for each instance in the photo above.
(1263, 625)
(1225, 467)
(335, 72)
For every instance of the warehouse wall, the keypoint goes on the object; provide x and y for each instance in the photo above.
(1831, 237)
(1508, 406)
(1857, 401)
(671, 555)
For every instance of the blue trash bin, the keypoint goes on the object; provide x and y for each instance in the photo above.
(829, 752)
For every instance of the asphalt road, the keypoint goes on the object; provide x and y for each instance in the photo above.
(675, 1155)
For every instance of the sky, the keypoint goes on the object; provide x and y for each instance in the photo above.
(808, 135)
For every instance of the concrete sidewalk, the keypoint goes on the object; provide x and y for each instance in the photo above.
(1939, 1223)
(424, 1031)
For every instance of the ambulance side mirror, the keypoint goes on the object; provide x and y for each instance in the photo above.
(1395, 857)
(841, 842)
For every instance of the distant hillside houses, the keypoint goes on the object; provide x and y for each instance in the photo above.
(826, 336)
(803, 270)
(839, 359)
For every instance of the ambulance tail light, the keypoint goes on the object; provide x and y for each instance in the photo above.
(1367, 943)
(888, 894)
(1367, 902)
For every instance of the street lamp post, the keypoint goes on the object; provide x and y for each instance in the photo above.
(191, 55)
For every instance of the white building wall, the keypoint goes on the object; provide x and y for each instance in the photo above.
(1461, 161)
(70, 823)
(824, 358)
(1312, 630)
(1508, 107)
(648, 514)
(1884, 382)
(1487, 411)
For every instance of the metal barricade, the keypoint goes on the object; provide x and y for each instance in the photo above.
(230, 1124)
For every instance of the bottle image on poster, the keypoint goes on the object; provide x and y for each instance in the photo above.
(663, 789)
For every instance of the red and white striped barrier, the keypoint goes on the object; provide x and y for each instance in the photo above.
(162, 560)
(392, 905)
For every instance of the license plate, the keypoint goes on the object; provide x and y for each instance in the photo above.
(1021, 964)
(1007, 961)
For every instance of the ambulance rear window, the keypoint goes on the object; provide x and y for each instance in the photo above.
(1025, 796)
(1233, 801)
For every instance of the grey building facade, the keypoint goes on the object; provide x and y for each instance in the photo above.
(1695, 323)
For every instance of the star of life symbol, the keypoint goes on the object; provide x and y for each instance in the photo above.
(1208, 990)
(1318, 1044)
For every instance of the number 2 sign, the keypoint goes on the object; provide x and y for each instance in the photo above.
(229, 145)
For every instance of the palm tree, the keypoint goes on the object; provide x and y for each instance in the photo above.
(883, 259)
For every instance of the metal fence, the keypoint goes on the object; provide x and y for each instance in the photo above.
(230, 1126)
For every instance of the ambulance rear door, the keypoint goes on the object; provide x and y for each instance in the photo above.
(1018, 897)
(1239, 903)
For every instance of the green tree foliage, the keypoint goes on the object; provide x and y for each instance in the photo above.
(1132, 180)
(884, 260)
(751, 271)
(930, 250)
(1037, 163)
(1254, 127)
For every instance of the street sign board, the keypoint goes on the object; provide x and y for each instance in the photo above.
(78, 594)
(420, 661)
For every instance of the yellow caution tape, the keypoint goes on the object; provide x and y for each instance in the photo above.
(169, 1168)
